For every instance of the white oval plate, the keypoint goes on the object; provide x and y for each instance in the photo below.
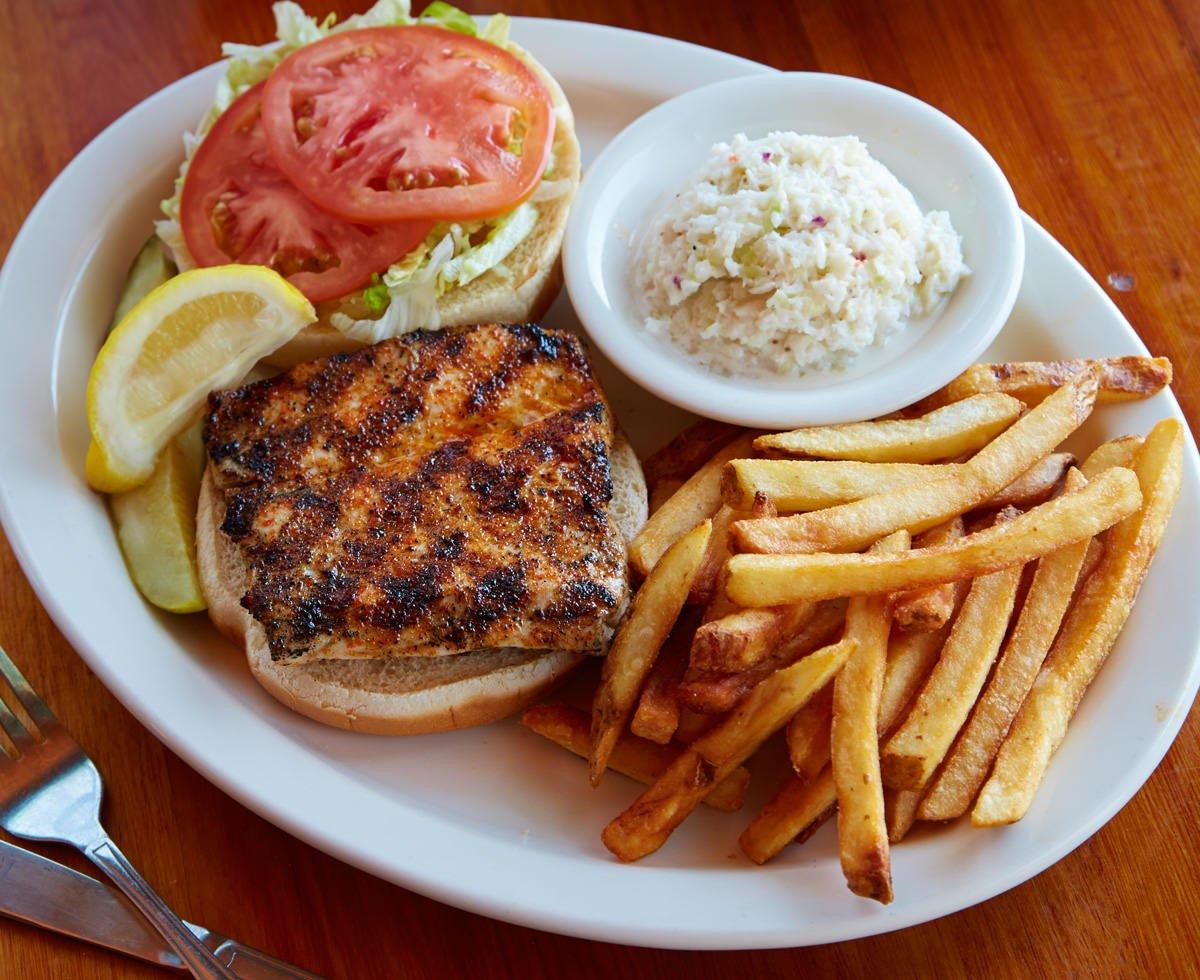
(496, 820)
(943, 165)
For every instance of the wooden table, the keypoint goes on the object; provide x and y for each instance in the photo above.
(1092, 107)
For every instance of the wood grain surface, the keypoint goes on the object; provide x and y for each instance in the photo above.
(1092, 107)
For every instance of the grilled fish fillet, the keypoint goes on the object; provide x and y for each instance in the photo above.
(438, 493)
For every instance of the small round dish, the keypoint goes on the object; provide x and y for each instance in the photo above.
(940, 162)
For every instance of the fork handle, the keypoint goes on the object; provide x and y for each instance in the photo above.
(194, 954)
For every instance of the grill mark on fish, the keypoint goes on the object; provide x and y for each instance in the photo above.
(363, 408)
(455, 521)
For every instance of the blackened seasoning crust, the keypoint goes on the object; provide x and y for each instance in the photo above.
(477, 519)
(400, 398)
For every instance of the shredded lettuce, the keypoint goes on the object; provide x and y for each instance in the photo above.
(496, 30)
(405, 297)
(449, 17)
(444, 261)
(413, 295)
(506, 234)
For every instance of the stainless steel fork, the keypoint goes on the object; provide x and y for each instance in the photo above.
(50, 790)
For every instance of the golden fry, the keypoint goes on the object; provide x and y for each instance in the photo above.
(772, 580)
(1121, 379)
(966, 767)
(808, 735)
(921, 742)
(655, 608)
(715, 692)
(1116, 452)
(804, 802)
(929, 608)
(911, 657)
(692, 724)
(697, 500)
(1036, 484)
(957, 429)
(632, 757)
(649, 821)
(900, 805)
(715, 555)
(1092, 626)
(858, 524)
(745, 637)
(796, 485)
(657, 714)
(854, 743)
(794, 814)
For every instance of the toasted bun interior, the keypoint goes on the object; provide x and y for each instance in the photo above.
(397, 695)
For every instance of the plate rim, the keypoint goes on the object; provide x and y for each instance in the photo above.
(457, 893)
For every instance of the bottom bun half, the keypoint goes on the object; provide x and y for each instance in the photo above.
(394, 695)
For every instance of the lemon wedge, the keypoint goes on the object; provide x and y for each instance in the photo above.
(199, 331)
(156, 525)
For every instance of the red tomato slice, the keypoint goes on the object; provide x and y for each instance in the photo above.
(388, 123)
(238, 206)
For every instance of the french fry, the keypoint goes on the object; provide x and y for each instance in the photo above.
(959, 428)
(709, 692)
(692, 725)
(803, 803)
(1036, 484)
(931, 607)
(763, 505)
(688, 451)
(657, 714)
(808, 735)
(1091, 559)
(720, 605)
(715, 555)
(697, 500)
(633, 757)
(955, 786)
(794, 813)
(655, 608)
(717, 552)
(854, 743)
(649, 821)
(1121, 379)
(858, 524)
(918, 746)
(797, 485)
(1115, 452)
(1092, 626)
(900, 807)
(773, 580)
(745, 637)
(663, 491)
(911, 657)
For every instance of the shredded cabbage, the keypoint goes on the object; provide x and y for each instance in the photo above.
(445, 260)
(408, 291)
(449, 17)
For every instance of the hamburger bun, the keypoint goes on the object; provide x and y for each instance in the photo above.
(396, 695)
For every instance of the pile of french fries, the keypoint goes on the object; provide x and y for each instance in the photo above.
(918, 602)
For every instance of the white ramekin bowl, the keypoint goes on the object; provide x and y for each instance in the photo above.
(940, 162)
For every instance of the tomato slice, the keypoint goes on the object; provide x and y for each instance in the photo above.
(389, 123)
(238, 206)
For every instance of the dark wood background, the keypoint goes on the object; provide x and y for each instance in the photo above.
(1092, 107)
